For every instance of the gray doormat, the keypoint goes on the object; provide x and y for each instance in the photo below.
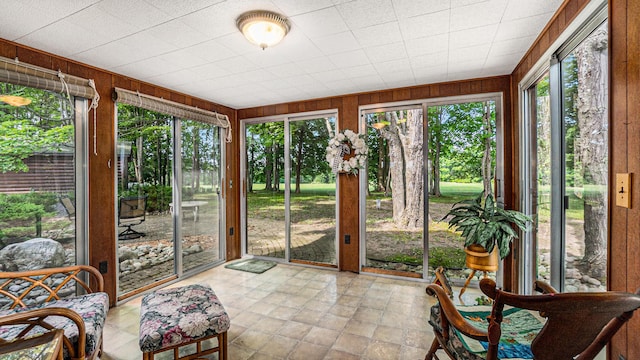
(252, 265)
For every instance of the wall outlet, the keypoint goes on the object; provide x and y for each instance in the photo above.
(231, 231)
(102, 267)
(347, 239)
(620, 357)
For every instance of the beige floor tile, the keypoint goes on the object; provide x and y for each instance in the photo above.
(353, 344)
(361, 328)
(340, 355)
(307, 316)
(321, 336)
(284, 312)
(368, 315)
(294, 330)
(279, 346)
(307, 351)
(333, 322)
(268, 324)
(389, 334)
(378, 350)
(252, 339)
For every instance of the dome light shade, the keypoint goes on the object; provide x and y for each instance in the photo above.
(263, 28)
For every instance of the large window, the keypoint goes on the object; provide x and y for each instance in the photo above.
(42, 185)
(566, 164)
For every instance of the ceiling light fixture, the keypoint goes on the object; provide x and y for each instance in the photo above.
(15, 100)
(263, 28)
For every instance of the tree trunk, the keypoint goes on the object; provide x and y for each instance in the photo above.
(412, 145)
(487, 129)
(276, 168)
(396, 165)
(437, 148)
(195, 178)
(299, 155)
(591, 147)
(380, 185)
(268, 167)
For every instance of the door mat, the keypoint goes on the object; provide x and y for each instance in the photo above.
(252, 265)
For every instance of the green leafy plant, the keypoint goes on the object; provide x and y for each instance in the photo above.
(484, 223)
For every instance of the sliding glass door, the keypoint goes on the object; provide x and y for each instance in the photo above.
(289, 191)
(169, 208)
(568, 148)
(417, 169)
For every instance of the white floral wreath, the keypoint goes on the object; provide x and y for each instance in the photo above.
(342, 144)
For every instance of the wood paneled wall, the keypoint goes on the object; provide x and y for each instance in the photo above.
(102, 222)
(348, 119)
(624, 139)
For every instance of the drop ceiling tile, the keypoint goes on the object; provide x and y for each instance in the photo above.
(472, 37)
(329, 76)
(396, 81)
(386, 52)
(147, 45)
(236, 65)
(513, 46)
(139, 14)
(237, 43)
(393, 66)
(266, 58)
(19, 18)
(182, 7)
(296, 46)
(523, 9)
(360, 71)
(211, 51)
(410, 8)
(285, 70)
(147, 68)
(364, 13)
(430, 75)
(425, 25)
(220, 19)
(428, 45)
(316, 65)
(463, 65)
(110, 55)
(460, 3)
(210, 71)
(476, 15)
(77, 38)
(180, 77)
(296, 7)
(302, 80)
(474, 53)
(336, 43)
(319, 23)
(530, 26)
(429, 60)
(462, 75)
(177, 33)
(101, 24)
(506, 61)
(185, 58)
(349, 59)
(378, 34)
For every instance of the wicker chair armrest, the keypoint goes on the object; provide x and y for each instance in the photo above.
(37, 318)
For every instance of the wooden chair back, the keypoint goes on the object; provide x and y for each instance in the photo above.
(578, 324)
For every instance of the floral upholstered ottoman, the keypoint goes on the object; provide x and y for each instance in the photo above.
(177, 317)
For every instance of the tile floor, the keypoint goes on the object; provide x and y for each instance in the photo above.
(294, 312)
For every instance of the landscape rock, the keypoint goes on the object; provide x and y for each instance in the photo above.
(38, 253)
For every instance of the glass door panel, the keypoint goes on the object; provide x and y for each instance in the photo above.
(461, 164)
(144, 198)
(312, 204)
(541, 165)
(264, 177)
(394, 238)
(200, 205)
(584, 116)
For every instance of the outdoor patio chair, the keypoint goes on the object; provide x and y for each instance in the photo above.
(131, 212)
(543, 327)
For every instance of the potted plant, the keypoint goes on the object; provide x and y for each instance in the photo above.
(487, 229)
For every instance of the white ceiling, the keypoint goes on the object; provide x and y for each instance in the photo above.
(335, 47)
